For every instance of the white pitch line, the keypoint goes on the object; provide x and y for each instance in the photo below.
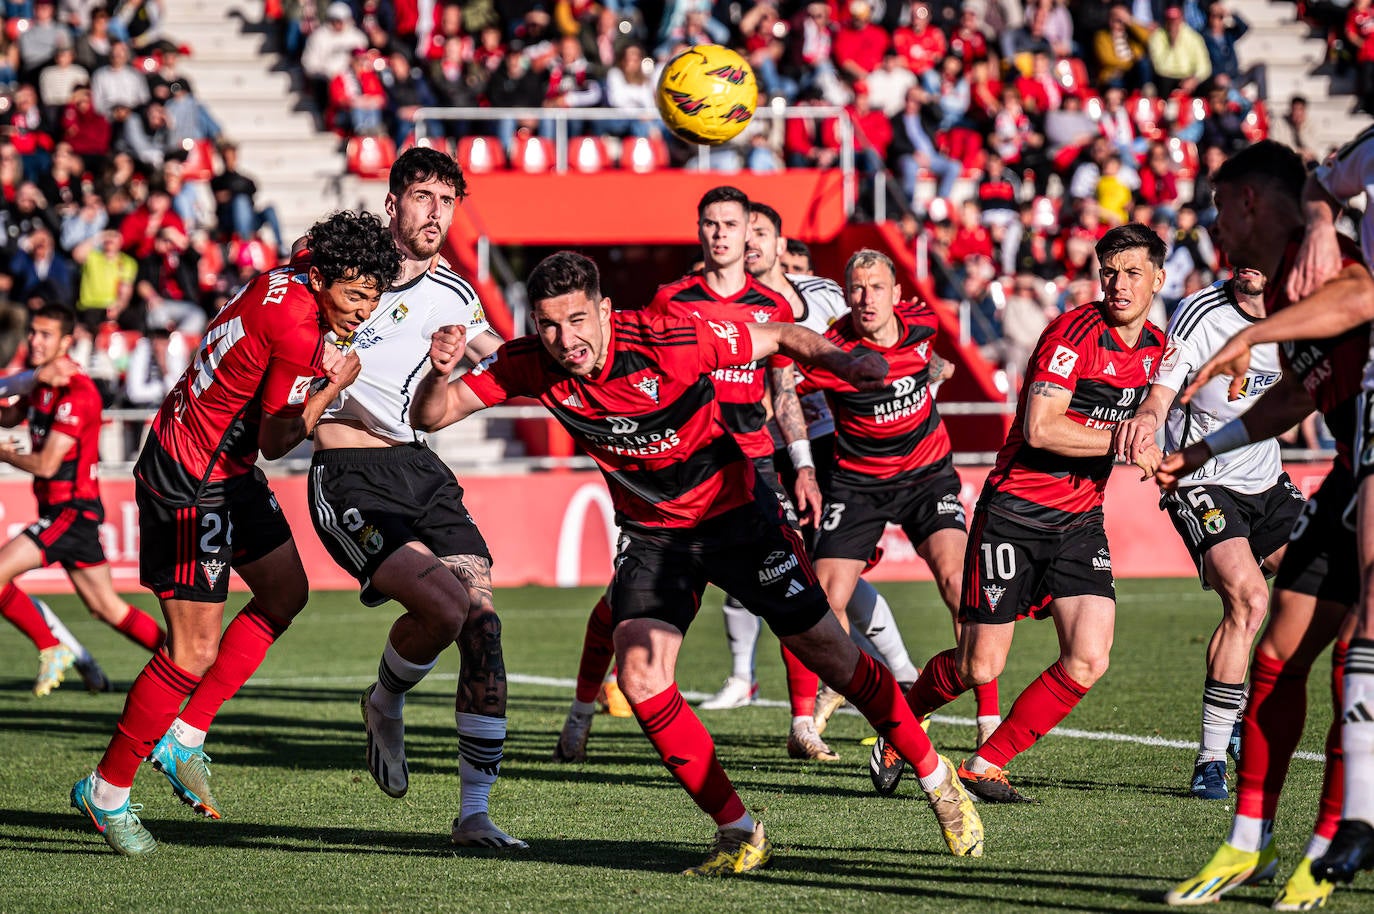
(555, 682)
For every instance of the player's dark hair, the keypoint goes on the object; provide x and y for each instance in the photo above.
(723, 194)
(798, 248)
(55, 311)
(563, 273)
(767, 212)
(1266, 164)
(1130, 236)
(419, 164)
(348, 244)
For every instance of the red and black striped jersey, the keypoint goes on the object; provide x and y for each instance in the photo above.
(1332, 369)
(261, 354)
(740, 389)
(1079, 351)
(75, 411)
(894, 431)
(648, 417)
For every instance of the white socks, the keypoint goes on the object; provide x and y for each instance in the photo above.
(396, 676)
(481, 746)
(742, 632)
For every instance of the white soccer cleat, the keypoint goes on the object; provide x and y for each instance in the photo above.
(736, 693)
(386, 749)
(477, 830)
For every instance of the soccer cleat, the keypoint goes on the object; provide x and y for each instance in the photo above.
(735, 850)
(572, 742)
(828, 701)
(1209, 781)
(1351, 850)
(736, 693)
(986, 727)
(804, 743)
(53, 663)
(386, 749)
(94, 677)
(477, 830)
(992, 786)
(1233, 744)
(1303, 891)
(613, 700)
(1229, 868)
(120, 827)
(188, 773)
(885, 767)
(959, 821)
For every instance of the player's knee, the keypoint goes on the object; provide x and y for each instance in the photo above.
(976, 671)
(1086, 669)
(285, 601)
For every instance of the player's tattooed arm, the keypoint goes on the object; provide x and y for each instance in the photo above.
(1047, 425)
(1046, 389)
(940, 369)
(786, 406)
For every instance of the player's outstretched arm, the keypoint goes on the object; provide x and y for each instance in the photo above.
(865, 371)
(1047, 424)
(1342, 303)
(1319, 256)
(440, 402)
(481, 346)
(43, 464)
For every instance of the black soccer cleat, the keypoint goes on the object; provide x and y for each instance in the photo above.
(1351, 850)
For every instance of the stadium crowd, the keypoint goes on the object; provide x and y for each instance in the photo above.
(120, 191)
(1015, 135)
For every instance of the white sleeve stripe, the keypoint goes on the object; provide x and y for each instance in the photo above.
(1191, 312)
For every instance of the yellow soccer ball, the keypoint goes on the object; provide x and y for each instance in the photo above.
(707, 94)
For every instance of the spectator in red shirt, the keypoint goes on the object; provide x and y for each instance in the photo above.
(802, 145)
(921, 46)
(984, 95)
(1040, 92)
(811, 42)
(138, 232)
(858, 47)
(450, 26)
(357, 97)
(1158, 182)
(1359, 31)
(870, 124)
(971, 238)
(969, 42)
(86, 129)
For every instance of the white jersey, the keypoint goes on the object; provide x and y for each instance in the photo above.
(393, 346)
(1203, 323)
(1349, 172)
(823, 303)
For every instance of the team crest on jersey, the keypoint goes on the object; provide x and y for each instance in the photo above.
(761, 317)
(1102, 561)
(478, 314)
(1063, 360)
(1146, 363)
(923, 349)
(648, 386)
(1214, 521)
(370, 538)
(213, 568)
(994, 593)
(399, 313)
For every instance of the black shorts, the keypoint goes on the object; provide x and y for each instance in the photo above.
(1363, 445)
(69, 534)
(1206, 515)
(750, 552)
(367, 503)
(1011, 570)
(1322, 558)
(186, 551)
(855, 517)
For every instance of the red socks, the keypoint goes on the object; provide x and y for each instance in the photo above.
(1333, 777)
(801, 685)
(241, 650)
(597, 650)
(876, 694)
(1039, 709)
(152, 705)
(141, 629)
(938, 685)
(16, 606)
(1270, 732)
(988, 702)
(689, 753)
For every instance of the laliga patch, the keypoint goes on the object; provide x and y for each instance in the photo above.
(300, 390)
(1063, 360)
(1214, 521)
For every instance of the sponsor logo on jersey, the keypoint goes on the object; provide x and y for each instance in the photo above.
(794, 587)
(1102, 561)
(272, 503)
(300, 389)
(399, 313)
(994, 594)
(46, 398)
(1257, 383)
(1214, 521)
(64, 412)
(727, 332)
(777, 569)
(1063, 360)
(1146, 363)
(1110, 370)
(950, 504)
(923, 349)
(648, 386)
(902, 387)
(620, 425)
(213, 568)
(774, 558)
(479, 314)
(370, 538)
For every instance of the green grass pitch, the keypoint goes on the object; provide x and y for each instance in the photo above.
(305, 829)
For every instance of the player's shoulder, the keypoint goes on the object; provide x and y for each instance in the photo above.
(685, 288)
(643, 326)
(1200, 309)
(1151, 336)
(756, 293)
(445, 277)
(1076, 327)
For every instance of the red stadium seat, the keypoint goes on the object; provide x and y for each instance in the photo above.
(200, 160)
(1092, 104)
(642, 155)
(428, 142)
(587, 155)
(370, 157)
(1148, 115)
(532, 154)
(1072, 76)
(1256, 123)
(480, 155)
(1184, 156)
(1190, 109)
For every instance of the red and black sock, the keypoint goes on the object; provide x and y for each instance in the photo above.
(152, 705)
(16, 606)
(1038, 710)
(938, 685)
(1333, 777)
(142, 629)
(689, 753)
(598, 648)
(241, 651)
(875, 692)
(1270, 731)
